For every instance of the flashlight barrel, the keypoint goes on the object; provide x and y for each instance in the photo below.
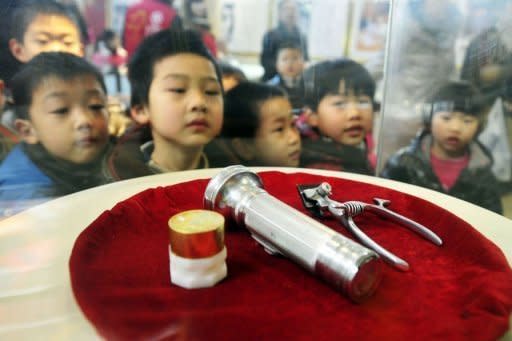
(345, 264)
(337, 259)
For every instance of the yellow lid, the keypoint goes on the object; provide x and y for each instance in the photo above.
(196, 221)
(196, 233)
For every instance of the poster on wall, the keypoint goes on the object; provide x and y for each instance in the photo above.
(369, 27)
(243, 24)
(328, 28)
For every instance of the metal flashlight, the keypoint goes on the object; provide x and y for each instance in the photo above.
(238, 192)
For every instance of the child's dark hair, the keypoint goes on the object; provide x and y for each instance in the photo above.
(232, 71)
(324, 79)
(242, 106)
(456, 96)
(289, 44)
(25, 14)
(45, 65)
(158, 46)
(464, 97)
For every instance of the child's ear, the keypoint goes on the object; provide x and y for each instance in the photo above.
(139, 114)
(26, 131)
(18, 50)
(243, 148)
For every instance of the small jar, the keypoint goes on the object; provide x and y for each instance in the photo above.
(196, 249)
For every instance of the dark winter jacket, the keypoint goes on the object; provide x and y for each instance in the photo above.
(295, 93)
(127, 161)
(30, 175)
(324, 153)
(475, 184)
(131, 157)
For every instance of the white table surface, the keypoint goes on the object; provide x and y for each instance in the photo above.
(36, 301)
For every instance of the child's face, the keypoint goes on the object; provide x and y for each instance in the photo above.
(452, 132)
(185, 101)
(342, 117)
(277, 141)
(289, 63)
(69, 118)
(48, 33)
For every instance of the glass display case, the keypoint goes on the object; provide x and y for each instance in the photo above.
(435, 64)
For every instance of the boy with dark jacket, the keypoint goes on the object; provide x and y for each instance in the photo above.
(339, 95)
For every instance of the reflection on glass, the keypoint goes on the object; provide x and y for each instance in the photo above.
(433, 43)
(446, 155)
(430, 43)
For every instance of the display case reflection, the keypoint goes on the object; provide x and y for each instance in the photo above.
(426, 44)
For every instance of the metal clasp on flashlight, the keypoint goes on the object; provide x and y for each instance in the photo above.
(316, 199)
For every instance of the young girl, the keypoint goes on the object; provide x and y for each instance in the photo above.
(446, 155)
(259, 128)
(289, 67)
(60, 103)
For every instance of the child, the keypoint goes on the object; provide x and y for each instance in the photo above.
(289, 66)
(60, 104)
(338, 94)
(286, 30)
(39, 26)
(43, 26)
(177, 94)
(259, 127)
(446, 155)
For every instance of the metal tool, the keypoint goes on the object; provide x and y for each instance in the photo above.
(316, 199)
(238, 193)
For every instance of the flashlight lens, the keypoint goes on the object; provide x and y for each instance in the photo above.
(366, 280)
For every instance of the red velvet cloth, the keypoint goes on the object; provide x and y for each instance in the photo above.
(120, 277)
